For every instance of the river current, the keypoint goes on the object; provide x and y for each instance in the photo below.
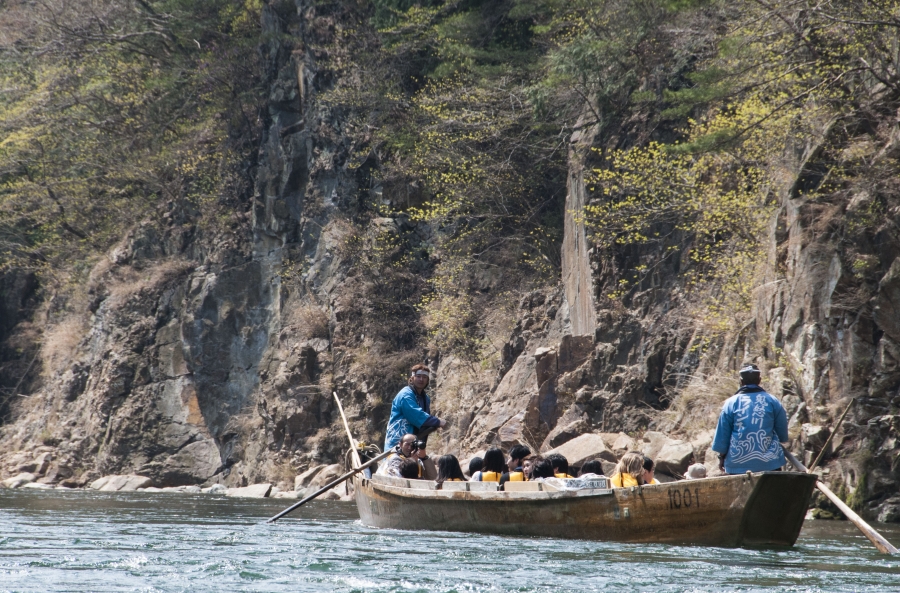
(94, 542)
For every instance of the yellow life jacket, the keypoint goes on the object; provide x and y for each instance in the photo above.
(516, 476)
(623, 481)
(490, 476)
(563, 476)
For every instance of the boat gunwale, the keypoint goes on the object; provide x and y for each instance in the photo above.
(502, 495)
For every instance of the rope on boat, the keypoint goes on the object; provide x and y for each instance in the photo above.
(365, 452)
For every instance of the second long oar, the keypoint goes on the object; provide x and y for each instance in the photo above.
(883, 545)
(330, 485)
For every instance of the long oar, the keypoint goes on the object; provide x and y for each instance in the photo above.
(883, 545)
(330, 485)
(353, 446)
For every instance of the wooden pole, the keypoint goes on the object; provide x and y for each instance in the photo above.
(356, 460)
(883, 545)
(831, 436)
(329, 486)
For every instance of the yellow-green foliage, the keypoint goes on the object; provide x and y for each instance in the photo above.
(710, 197)
(445, 98)
(110, 110)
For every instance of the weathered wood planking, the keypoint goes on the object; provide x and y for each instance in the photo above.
(764, 509)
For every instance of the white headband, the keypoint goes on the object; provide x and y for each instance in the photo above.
(421, 372)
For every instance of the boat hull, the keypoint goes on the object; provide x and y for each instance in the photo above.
(763, 509)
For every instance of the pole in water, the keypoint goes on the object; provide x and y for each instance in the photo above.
(330, 485)
(878, 540)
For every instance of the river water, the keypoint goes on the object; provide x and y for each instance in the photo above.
(94, 542)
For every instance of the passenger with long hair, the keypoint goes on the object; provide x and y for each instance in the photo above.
(492, 468)
(448, 470)
(629, 471)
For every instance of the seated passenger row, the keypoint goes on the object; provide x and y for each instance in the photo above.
(410, 461)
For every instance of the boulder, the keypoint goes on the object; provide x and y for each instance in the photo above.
(303, 480)
(38, 486)
(565, 433)
(609, 468)
(42, 462)
(194, 489)
(36, 466)
(584, 448)
(623, 444)
(254, 491)
(286, 494)
(327, 474)
(652, 443)
(214, 489)
(702, 442)
(330, 495)
(813, 437)
(545, 364)
(19, 480)
(126, 483)
(674, 458)
(889, 511)
(573, 423)
(195, 462)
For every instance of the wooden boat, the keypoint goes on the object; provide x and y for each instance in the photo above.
(761, 509)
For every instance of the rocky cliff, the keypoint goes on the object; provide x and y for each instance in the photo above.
(193, 356)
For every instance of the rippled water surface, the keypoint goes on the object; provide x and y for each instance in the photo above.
(92, 541)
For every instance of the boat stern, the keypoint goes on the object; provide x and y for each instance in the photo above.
(775, 511)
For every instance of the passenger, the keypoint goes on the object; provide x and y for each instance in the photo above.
(560, 465)
(448, 470)
(543, 468)
(527, 466)
(516, 455)
(427, 470)
(696, 471)
(592, 467)
(411, 409)
(475, 465)
(493, 467)
(403, 450)
(629, 471)
(409, 468)
(649, 470)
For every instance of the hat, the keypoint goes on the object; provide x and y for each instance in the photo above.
(750, 373)
(695, 472)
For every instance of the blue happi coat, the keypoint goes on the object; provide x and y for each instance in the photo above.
(751, 425)
(409, 413)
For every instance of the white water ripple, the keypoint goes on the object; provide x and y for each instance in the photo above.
(97, 542)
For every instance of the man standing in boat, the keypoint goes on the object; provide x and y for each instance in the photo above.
(411, 409)
(751, 425)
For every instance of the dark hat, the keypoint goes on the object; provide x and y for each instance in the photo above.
(750, 373)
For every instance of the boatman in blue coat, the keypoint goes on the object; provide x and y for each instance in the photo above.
(411, 410)
(751, 427)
